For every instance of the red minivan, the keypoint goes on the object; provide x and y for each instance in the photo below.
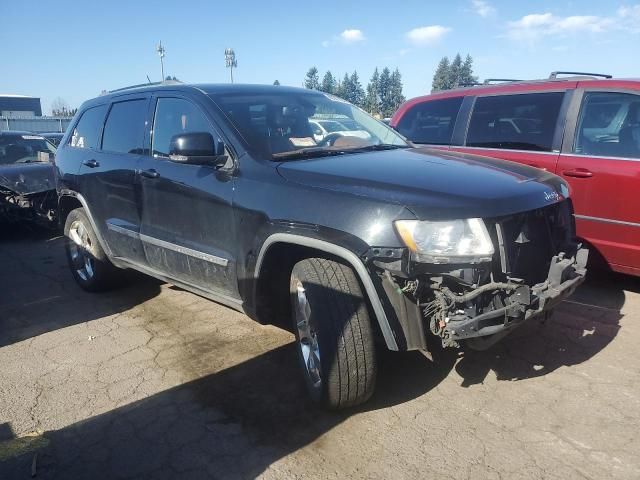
(585, 128)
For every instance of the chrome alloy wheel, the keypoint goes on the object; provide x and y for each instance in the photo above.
(307, 337)
(80, 251)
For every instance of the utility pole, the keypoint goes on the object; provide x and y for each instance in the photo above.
(161, 51)
(230, 60)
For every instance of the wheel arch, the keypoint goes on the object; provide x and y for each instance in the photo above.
(280, 240)
(69, 200)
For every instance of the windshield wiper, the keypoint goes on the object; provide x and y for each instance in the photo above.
(377, 147)
(314, 152)
(310, 152)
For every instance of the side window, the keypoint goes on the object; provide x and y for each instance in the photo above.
(609, 125)
(175, 116)
(431, 122)
(124, 129)
(518, 122)
(87, 130)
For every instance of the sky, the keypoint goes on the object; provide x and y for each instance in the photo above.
(78, 48)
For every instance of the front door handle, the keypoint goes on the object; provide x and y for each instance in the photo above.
(151, 173)
(578, 173)
(91, 163)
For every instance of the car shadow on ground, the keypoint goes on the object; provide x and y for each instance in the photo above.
(38, 293)
(234, 423)
(579, 328)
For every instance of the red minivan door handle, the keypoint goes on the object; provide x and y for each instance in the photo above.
(578, 173)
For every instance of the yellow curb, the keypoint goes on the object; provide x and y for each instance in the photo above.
(21, 445)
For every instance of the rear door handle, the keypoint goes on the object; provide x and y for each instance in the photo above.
(91, 163)
(578, 173)
(151, 173)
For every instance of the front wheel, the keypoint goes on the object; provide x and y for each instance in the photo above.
(334, 335)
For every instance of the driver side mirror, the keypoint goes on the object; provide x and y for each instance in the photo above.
(197, 148)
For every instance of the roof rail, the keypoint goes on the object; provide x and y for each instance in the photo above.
(469, 84)
(164, 82)
(489, 81)
(554, 75)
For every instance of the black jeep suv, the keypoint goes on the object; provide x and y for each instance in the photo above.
(355, 235)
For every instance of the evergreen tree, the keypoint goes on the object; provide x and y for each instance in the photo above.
(455, 71)
(441, 77)
(276, 82)
(384, 90)
(312, 79)
(338, 91)
(396, 98)
(372, 100)
(466, 72)
(329, 84)
(357, 92)
(346, 89)
(451, 75)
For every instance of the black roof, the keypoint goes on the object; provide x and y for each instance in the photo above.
(255, 89)
(207, 88)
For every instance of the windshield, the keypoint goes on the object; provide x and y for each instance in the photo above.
(25, 149)
(285, 124)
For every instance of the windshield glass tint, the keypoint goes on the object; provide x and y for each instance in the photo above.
(276, 123)
(25, 149)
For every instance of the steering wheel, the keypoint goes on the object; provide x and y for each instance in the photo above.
(330, 139)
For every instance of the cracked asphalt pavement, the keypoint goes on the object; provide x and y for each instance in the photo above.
(149, 381)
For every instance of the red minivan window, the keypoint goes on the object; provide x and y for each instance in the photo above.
(518, 122)
(431, 122)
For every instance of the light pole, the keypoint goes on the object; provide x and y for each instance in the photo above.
(230, 60)
(161, 51)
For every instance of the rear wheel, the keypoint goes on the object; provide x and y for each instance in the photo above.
(88, 263)
(334, 335)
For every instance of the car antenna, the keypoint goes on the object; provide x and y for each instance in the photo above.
(148, 79)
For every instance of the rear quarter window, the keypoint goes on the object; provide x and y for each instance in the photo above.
(431, 122)
(518, 122)
(86, 132)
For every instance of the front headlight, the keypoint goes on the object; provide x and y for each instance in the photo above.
(451, 241)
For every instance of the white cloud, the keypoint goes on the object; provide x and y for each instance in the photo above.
(352, 35)
(482, 8)
(428, 35)
(630, 18)
(535, 26)
(348, 36)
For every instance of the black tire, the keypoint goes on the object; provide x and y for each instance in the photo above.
(339, 329)
(98, 274)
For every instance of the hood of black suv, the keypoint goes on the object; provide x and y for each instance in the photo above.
(434, 184)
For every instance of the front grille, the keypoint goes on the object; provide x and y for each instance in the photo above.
(527, 241)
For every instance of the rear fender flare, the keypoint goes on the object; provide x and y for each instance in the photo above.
(85, 206)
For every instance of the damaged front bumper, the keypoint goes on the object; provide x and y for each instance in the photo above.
(430, 307)
(523, 303)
